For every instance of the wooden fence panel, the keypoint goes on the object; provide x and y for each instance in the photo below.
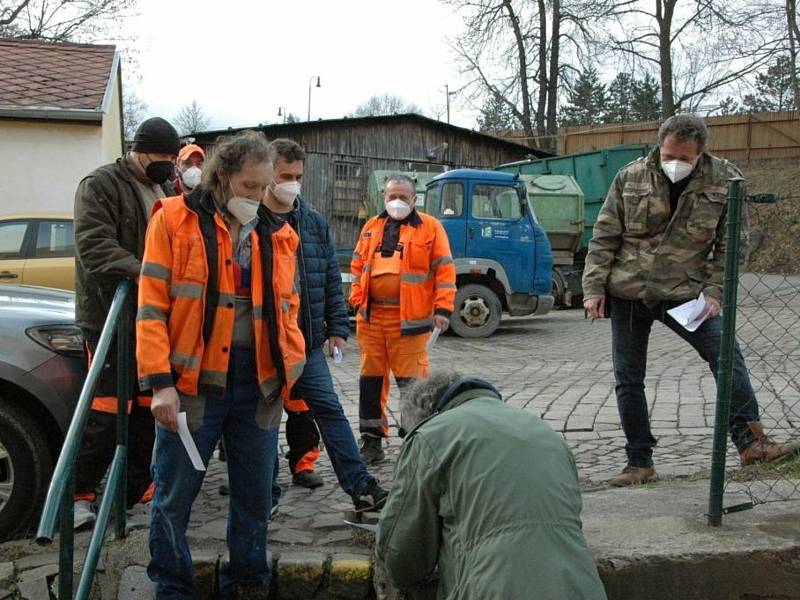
(736, 137)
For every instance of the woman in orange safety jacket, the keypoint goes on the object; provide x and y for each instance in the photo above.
(218, 339)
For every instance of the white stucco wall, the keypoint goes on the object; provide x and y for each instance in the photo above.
(112, 125)
(42, 162)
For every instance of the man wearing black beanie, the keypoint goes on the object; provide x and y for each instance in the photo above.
(112, 206)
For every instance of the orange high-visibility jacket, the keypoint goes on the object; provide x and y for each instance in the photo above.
(427, 272)
(184, 325)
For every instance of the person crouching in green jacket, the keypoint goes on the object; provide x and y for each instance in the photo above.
(490, 494)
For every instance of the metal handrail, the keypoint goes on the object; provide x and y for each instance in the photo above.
(59, 504)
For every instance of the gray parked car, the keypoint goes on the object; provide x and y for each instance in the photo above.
(42, 369)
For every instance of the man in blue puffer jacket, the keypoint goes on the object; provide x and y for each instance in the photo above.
(324, 322)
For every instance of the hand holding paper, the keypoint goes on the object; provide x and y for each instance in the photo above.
(690, 314)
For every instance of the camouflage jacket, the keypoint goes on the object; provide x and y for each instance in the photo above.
(639, 250)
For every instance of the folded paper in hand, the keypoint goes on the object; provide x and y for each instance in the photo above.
(432, 339)
(188, 443)
(688, 313)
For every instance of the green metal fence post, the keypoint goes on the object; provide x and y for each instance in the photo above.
(725, 371)
(124, 397)
(66, 545)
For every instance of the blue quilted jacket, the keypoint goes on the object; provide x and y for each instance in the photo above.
(322, 308)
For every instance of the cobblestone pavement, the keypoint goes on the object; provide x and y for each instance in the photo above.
(558, 367)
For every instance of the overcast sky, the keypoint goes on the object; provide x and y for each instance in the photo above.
(242, 59)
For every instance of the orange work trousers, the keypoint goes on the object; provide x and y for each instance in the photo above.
(383, 351)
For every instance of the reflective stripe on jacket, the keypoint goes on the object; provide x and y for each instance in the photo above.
(427, 274)
(184, 325)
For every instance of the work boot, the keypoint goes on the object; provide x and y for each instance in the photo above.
(633, 475)
(371, 449)
(307, 479)
(83, 514)
(762, 448)
(371, 499)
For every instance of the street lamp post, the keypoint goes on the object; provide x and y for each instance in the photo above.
(448, 93)
(310, 81)
(282, 113)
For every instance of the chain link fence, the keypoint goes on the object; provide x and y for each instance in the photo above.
(768, 333)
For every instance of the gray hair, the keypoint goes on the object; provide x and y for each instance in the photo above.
(400, 178)
(288, 150)
(418, 401)
(684, 128)
(230, 154)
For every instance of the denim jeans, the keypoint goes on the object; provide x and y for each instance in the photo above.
(631, 322)
(315, 386)
(251, 454)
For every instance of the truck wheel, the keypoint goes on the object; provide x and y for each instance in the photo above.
(25, 469)
(477, 311)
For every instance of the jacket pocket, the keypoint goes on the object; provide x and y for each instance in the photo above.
(419, 255)
(635, 199)
(705, 216)
(189, 258)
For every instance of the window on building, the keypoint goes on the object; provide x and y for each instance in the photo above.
(348, 189)
(495, 202)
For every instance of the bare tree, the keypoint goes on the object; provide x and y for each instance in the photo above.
(385, 104)
(63, 20)
(698, 48)
(133, 109)
(793, 42)
(520, 51)
(191, 119)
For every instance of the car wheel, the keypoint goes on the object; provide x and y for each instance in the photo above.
(25, 469)
(477, 311)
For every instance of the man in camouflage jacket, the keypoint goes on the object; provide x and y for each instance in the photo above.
(659, 241)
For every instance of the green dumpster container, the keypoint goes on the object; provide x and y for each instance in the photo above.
(594, 171)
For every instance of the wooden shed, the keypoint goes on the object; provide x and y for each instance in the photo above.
(343, 152)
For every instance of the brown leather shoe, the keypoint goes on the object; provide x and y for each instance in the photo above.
(633, 475)
(763, 449)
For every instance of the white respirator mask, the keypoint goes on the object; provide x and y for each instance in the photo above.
(676, 170)
(286, 192)
(191, 177)
(244, 209)
(398, 209)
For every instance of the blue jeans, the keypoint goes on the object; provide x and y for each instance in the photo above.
(251, 452)
(631, 322)
(315, 386)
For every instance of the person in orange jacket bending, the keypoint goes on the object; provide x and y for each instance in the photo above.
(404, 286)
(218, 339)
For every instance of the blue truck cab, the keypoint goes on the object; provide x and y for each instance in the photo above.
(502, 255)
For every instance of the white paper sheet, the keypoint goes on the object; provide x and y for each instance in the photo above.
(432, 340)
(367, 526)
(688, 313)
(188, 442)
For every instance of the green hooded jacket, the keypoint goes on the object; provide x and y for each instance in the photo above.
(490, 494)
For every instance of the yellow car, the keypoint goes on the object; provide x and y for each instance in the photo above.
(38, 249)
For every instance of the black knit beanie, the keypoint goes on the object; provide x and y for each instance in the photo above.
(158, 136)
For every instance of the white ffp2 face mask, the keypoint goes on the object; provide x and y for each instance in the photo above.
(676, 170)
(244, 209)
(191, 177)
(398, 209)
(286, 192)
